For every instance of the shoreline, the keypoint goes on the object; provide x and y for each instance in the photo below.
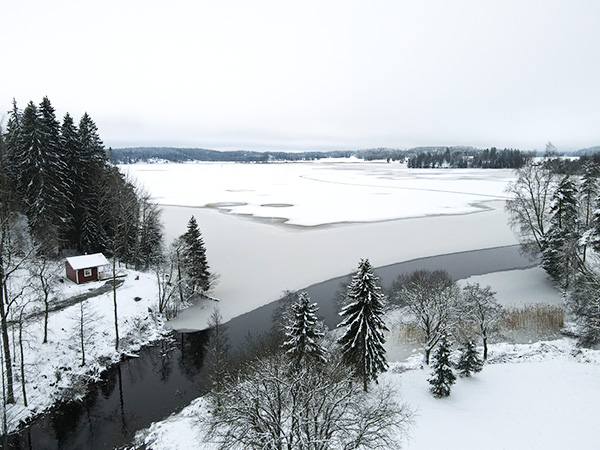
(323, 292)
(257, 263)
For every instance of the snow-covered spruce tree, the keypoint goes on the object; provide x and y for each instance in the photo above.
(583, 299)
(442, 377)
(149, 248)
(41, 175)
(303, 333)
(589, 194)
(11, 141)
(70, 147)
(90, 163)
(194, 258)
(560, 253)
(469, 361)
(57, 183)
(362, 341)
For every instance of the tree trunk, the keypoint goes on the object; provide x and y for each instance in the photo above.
(46, 308)
(179, 279)
(22, 359)
(115, 304)
(10, 396)
(485, 348)
(81, 334)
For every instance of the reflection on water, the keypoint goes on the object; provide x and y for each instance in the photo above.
(131, 395)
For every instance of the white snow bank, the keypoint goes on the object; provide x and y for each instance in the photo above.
(548, 400)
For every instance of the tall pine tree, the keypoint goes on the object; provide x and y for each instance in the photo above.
(89, 215)
(362, 341)
(560, 254)
(303, 333)
(194, 258)
(589, 194)
(70, 148)
(55, 191)
(11, 142)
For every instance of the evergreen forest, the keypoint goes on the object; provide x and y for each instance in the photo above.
(58, 176)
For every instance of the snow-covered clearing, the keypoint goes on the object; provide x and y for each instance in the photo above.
(53, 370)
(425, 212)
(541, 395)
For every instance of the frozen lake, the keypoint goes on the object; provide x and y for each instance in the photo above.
(272, 227)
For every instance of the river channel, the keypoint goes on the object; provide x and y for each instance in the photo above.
(167, 376)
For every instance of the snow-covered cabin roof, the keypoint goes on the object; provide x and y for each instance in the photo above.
(87, 261)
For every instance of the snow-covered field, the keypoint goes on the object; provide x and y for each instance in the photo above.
(424, 213)
(535, 396)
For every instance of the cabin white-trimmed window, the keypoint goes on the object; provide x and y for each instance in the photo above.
(87, 272)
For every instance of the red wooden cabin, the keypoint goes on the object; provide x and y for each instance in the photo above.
(82, 269)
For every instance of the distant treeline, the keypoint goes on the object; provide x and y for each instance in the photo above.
(179, 155)
(571, 166)
(470, 158)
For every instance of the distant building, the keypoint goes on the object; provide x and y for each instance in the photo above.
(82, 269)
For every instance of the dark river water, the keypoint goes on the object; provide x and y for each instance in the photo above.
(168, 376)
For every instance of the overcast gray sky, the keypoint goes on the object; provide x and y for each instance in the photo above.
(296, 75)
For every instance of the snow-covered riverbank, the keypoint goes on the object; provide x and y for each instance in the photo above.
(54, 370)
(541, 395)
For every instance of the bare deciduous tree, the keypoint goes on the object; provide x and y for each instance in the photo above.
(480, 308)
(84, 326)
(273, 407)
(46, 274)
(529, 205)
(432, 299)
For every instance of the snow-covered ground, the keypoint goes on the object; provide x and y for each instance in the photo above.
(53, 370)
(540, 395)
(543, 396)
(425, 214)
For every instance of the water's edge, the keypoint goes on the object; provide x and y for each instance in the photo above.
(167, 376)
